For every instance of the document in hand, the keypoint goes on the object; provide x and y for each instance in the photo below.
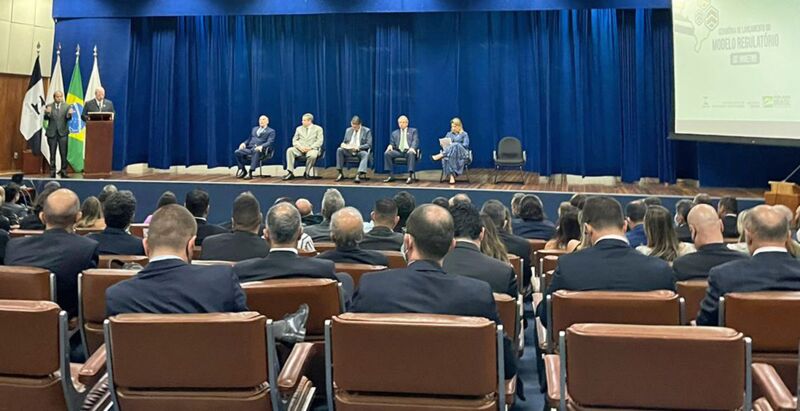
(445, 142)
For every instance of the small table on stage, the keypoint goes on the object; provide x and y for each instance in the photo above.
(99, 145)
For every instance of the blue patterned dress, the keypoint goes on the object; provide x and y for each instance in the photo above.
(456, 154)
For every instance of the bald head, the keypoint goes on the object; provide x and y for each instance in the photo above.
(705, 225)
(304, 207)
(62, 209)
(785, 211)
(347, 227)
(766, 226)
(283, 226)
(432, 232)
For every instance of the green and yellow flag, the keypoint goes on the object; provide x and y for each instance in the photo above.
(77, 128)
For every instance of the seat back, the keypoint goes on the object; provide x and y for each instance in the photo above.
(536, 245)
(546, 260)
(509, 148)
(693, 292)
(88, 230)
(24, 233)
(139, 230)
(276, 298)
(92, 286)
(26, 283)
(516, 263)
(357, 270)
(119, 261)
(509, 314)
(197, 252)
(396, 259)
(213, 262)
(656, 367)
(324, 246)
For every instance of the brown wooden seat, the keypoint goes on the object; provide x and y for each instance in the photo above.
(324, 246)
(307, 254)
(24, 233)
(197, 252)
(357, 270)
(92, 286)
(118, 261)
(213, 262)
(139, 230)
(396, 259)
(536, 245)
(27, 283)
(693, 292)
(510, 309)
(517, 264)
(88, 230)
(777, 396)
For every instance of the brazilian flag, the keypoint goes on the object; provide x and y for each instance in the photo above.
(77, 127)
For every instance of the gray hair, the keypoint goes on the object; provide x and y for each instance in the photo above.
(283, 223)
(332, 202)
(767, 223)
(308, 116)
(347, 234)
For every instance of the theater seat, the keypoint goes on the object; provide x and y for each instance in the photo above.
(411, 362)
(517, 263)
(536, 245)
(92, 286)
(509, 309)
(88, 230)
(396, 259)
(202, 362)
(197, 252)
(776, 395)
(24, 233)
(213, 262)
(139, 230)
(324, 246)
(357, 270)
(615, 367)
(693, 292)
(119, 261)
(27, 283)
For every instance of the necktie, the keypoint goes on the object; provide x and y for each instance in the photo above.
(58, 105)
(403, 141)
(100, 105)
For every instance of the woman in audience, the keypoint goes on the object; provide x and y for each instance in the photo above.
(91, 214)
(167, 198)
(567, 230)
(454, 156)
(741, 246)
(582, 242)
(491, 244)
(662, 241)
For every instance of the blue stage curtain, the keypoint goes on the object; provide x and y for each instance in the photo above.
(587, 91)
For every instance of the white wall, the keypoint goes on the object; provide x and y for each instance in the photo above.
(23, 24)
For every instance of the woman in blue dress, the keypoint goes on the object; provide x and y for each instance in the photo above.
(454, 157)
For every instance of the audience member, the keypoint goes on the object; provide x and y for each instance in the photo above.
(706, 231)
(516, 245)
(566, 207)
(741, 245)
(197, 202)
(332, 202)
(634, 217)
(770, 269)
(491, 245)
(108, 189)
(5, 221)
(516, 199)
(728, 208)
(460, 198)
(346, 232)
(406, 203)
(652, 201)
(10, 208)
(791, 245)
(567, 230)
(245, 241)
(32, 221)
(305, 244)
(119, 209)
(382, 236)
(4, 238)
(306, 210)
(682, 209)
(167, 198)
(578, 200)
(662, 242)
(441, 202)
(532, 223)
(92, 214)
(703, 198)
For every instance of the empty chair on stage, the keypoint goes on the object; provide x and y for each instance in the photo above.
(356, 146)
(403, 149)
(257, 147)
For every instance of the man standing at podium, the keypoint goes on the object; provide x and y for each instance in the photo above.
(98, 105)
(58, 113)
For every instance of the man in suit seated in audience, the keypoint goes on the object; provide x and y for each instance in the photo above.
(282, 232)
(423, 286)
(770, 269)
(610, 263)
(728, 209)
(634, 217)
(306, 210)
(347, 229)
(197, 202)
(460, 198)
(466, 258)
(118, 209)
(532, 223)
(706, 229)
(10, 208)
(382, 236)
(516, 245)
(682, 209)
(332, 201)
(406, 203)
(59, 250)
(245, 241)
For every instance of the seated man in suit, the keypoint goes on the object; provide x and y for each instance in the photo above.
(10, 207)
(682, 209)
(382, 236)
(516, 245)
(282, 232)
(347, 229)
(466, 258)
(610, 264)
(197, 203)
(99, 104)
(712, 251)
(306, 210)
(770, 269)
(406, 203)
(118, 209)
(332, 201)
(307, 141)
(357, 143)
(424, 287)
(532, 223)
(245, 241)
(634, 217)
(254, 148)
(728, 209)
(404, 142)
(59, 250)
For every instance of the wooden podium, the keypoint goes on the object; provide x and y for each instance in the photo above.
(784, 193)
(99, 146)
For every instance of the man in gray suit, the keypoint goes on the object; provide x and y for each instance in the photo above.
(357, 143)
(98, 105)
(307, 140)
(58, 113)
(403, 143)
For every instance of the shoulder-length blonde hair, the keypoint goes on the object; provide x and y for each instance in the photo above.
(661, 236)
(491, 244)
(457, 122)
(91, 211)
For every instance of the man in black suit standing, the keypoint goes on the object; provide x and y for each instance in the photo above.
(728, 209)
(347, 229)
(262, 137)
(197, 202)
(245, 241)
(58, 113)
(382, 236)
(771, 268)
(466, 258)
(99, 104)
(59, 250)
(514, 244)
(610, 264)
(404, 142)
(532, 223)
(332, 201)
(712, 251)
(118, 210)
(682, 209)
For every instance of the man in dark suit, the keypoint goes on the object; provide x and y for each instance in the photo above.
(332, 201)
(99, 104)
(728, 209)
(245, 241)
(347, 229)
(610, 264)
(382, 236)
(424, 287)
(283, 231)
(261, 139)
(514, 244)
(466, 258)
(4, 237)
(58, 113)
(711, 249)
(118, 210)
(59, 250)
(406, 203)
(771, 268)
(357, 143)
(9, 206)
(197, 202)
(682, 209)
(404, 142)
(634, 217)
(532, 223)
(306, 210)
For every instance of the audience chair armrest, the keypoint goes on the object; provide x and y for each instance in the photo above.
(541, 332)
(775, 391)
(296, 367)
(552, 370)
(511, 390)
(94, 368)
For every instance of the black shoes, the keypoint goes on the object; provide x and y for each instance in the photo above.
(388, 179)
(357, 180)
(240, 173)
(63, 174)
(289, 176)
(248, 176)
(292, 328)
(339, 177)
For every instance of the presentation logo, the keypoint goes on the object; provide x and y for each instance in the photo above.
(696, 19)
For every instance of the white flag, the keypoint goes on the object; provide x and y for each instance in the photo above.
(94, 79)
(30, 122)
(56, 84)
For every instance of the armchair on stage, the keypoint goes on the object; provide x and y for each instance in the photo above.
(99, 145)
(509, 154)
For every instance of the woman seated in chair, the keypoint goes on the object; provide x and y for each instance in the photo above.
(454, 156)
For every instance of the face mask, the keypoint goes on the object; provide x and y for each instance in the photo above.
(403, 251)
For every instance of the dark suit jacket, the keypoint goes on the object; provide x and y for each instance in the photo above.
(609, 265)
(174, 287)
(382, 238)
(423, 287)
(637, 236)
(319, 232)
(58, 120)
(263, 140)
(365, 138)
(466, 259)
(4, 237)
(695, 266)
(116, 241)
(412, 138)
(521, 248)
(204, 229)
(14, 212)
(355, 255)
(311, 219)
(5, 223)
(729, 229)
(769, 271)
(65, 254)
(684, 234)
(92, 106)
(31, 222)
(284, 264)
(535, 230)
(235, 246)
